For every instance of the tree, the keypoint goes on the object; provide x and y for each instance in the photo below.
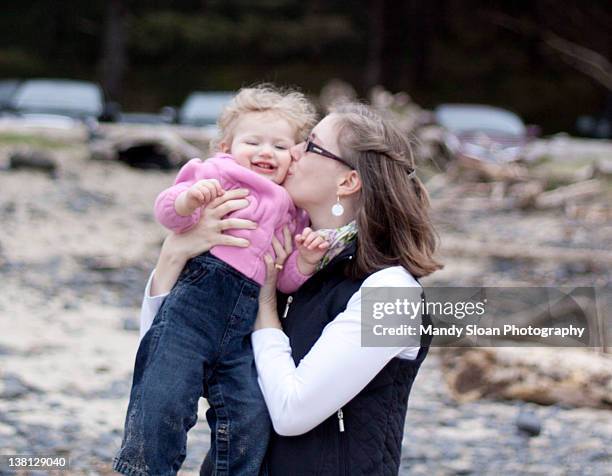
(114, 48)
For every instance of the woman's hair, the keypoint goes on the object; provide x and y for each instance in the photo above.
(393, 210)
(291, 105)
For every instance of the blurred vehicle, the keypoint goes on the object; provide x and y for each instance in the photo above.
(55, 102)
(598, 126)
(7, 90)
(144, 118)
(202, 109)
(595, 127)
(484, 132)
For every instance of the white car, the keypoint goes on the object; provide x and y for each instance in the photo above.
(202, 109)
(53, 102)
(484, 132)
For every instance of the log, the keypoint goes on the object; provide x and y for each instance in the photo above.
(512, 172)
(561, 195)
(555, 312)
(163, 148)
(591, 213)
(462, 246)
(524, 194)
(568, 376)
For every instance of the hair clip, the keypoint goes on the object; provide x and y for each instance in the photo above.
(412, 174)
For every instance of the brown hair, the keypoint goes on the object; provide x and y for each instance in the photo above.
(393, 210)
(291, 105)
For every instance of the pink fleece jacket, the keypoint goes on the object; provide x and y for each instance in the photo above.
(269, 205)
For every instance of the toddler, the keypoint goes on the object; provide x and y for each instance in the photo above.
(198, 344)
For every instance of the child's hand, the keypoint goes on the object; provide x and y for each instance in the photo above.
(198, 195)
(311, 247)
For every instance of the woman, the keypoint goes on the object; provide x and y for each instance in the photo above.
(337, 407)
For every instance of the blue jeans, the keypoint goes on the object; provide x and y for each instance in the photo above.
(198, 345)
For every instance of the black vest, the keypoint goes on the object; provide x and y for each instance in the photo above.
(373, 421)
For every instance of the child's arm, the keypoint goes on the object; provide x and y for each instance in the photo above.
(198, 195)
(302, 263)
(178, 207)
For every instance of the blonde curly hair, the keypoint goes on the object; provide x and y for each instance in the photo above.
(290, 104)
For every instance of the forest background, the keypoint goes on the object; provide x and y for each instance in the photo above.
(547, 61)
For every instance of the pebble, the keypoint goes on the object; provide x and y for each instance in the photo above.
(116, 390)
(13, 387)
(442, 436)
(7, 431)
(6, 350)
(461, 466)
(131, 324)
(529, 423)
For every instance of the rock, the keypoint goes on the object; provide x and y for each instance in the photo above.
(528, 422)
(8, 208)
(71, 427)
(103, 453)
(81, 200)
(118, 389)
(461, 466)
(6, 350)
(33, 160)
(131, 324)
(601, 456)
(13, 387)
(7, 431)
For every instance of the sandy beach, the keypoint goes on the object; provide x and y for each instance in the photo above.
(75, 252)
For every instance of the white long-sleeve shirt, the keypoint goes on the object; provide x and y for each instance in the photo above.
(334, 371)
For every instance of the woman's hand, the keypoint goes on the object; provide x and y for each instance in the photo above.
(177, 249)
(267, 315)
(208, 232)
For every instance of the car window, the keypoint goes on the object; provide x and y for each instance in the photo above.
(464, 118)
(7, 89)
(204, 108)
(75, 97)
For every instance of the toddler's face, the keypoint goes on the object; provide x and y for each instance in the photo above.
(261, 143)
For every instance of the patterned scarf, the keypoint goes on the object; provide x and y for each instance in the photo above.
(338, 239)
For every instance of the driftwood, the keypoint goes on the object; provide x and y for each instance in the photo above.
(592, 213)
(562, 195)
(525, 194)
(474, 248)
(154, 148)
(483, 170)
(566, 376)
(572, 310)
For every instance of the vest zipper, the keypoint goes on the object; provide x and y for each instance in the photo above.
(289, 300)
(341, 421)
(343, 468)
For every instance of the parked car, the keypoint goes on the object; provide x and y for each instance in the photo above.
(7, 90)
(55, 101)
(202, 109)
(149, 118)
(595, 127)
(484, 132)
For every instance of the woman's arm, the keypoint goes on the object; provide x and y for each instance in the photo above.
(334, 371)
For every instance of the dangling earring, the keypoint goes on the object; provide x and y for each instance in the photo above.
(337, 210)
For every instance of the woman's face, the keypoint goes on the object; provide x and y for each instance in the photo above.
(312, 180)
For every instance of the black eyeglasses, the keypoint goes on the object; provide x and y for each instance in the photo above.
(310, 146)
